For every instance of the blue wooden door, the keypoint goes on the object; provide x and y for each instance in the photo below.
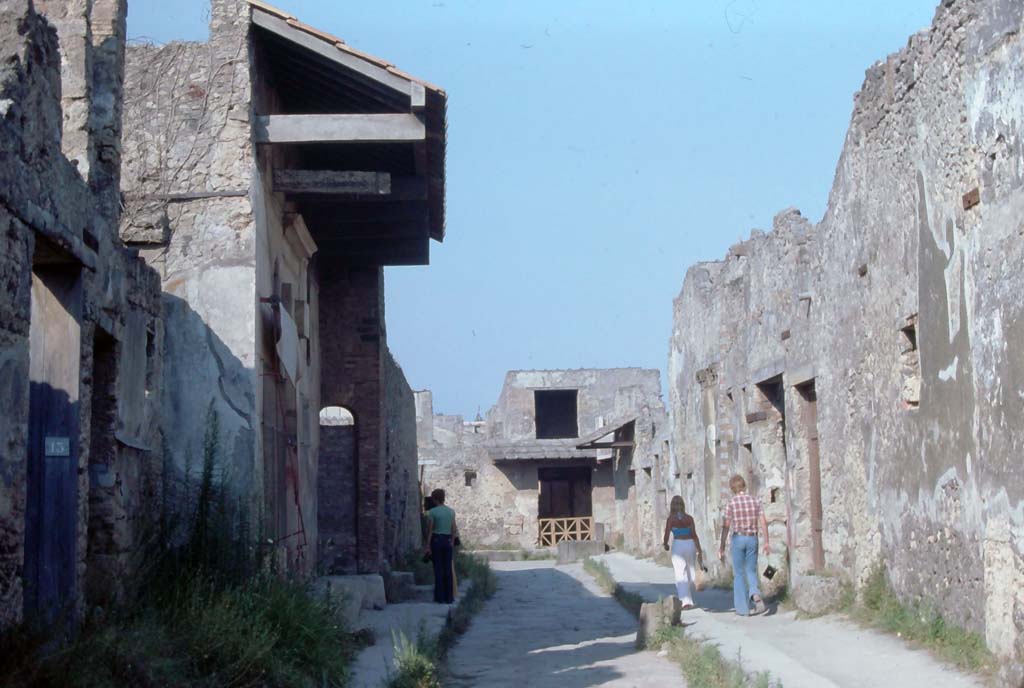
(51, 518)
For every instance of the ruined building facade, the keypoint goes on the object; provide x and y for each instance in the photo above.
(80, 324)
(564, 454)
(220, 254)
(865, 372)
(270, 204)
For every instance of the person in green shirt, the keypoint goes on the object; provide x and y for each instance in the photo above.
(441, 534)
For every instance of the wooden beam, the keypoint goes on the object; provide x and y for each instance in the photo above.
(332, 182)
(391, 128)
(402, 252)
(325, 230)
(402, 189)
(368, 213)
(334, 54)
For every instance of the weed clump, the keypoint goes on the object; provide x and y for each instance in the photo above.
(210, 611)
(918, 623)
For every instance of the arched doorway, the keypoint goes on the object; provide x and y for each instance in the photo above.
(337, 491)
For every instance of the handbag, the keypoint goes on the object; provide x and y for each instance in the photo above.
(770, 571)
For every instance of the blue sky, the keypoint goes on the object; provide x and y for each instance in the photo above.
(595, 150)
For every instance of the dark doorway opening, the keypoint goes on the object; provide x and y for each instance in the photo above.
(338, 491)
(101, 574)
(51, 518)
(555, 414)
(809, 398)
(565, 492)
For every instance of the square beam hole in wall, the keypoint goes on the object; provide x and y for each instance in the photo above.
(555, 413)
(470, 478)
(910, 365)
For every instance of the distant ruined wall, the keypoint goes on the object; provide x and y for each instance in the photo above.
(900, 313)
(401, 474)
(497, 500)
(491, 510)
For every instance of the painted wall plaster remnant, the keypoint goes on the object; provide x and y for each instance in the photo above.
(898, 375)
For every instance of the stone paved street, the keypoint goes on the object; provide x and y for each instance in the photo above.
(549, 626)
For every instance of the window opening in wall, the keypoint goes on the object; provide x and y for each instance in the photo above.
(774, 495)
(470, 478)
(555, 414)
(336, 415)
(910, 365)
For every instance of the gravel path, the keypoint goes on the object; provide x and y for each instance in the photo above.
(553, 627)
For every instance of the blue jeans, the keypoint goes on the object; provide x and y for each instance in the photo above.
(744, 572)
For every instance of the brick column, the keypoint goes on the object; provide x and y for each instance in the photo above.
(352, 341)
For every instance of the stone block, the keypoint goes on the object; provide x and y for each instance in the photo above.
(400, 586)
(366, 590)
(651, 619)
(575, 550)
(817, 595)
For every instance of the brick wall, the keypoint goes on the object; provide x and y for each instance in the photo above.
(352, 338)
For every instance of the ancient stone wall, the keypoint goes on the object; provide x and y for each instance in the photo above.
(492, 503)
(401, 473)
(498, 500)
(883, 337)
(93, 433)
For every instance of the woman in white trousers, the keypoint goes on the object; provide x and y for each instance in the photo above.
(686, 550)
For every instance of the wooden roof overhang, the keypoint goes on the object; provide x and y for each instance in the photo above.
(616, 435)
(357, 146)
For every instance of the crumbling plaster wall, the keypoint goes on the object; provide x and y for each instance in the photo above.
(191, 198)
(932, 487)
(59, 156)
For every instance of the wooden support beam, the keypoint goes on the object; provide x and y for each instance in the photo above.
(368, 213)
(374, 128)
(332, 182)
(402, 189)
(400, 252)
(325, 230)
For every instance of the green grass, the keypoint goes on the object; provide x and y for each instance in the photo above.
(420, 664)
(603, 575)
(416, 663)
(210, 612)
(268, 632)
(880, 608)
(704, 665)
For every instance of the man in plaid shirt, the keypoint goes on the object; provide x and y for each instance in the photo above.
(743, 515)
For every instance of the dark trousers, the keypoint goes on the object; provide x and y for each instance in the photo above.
(441, 554)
